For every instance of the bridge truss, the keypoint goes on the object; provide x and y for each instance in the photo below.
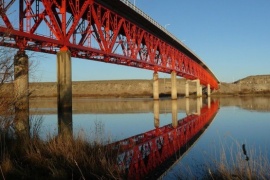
(142, 154)
(92, 30)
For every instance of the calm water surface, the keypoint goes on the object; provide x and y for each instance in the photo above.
(238, 121)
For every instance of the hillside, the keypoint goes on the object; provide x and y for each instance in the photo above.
(251, 85)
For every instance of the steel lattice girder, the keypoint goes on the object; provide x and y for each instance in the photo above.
(161, 143)
(92, 31)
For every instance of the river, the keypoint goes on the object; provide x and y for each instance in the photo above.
(199, 130)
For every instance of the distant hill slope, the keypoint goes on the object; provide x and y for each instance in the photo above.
(257, 79)
(251, 85)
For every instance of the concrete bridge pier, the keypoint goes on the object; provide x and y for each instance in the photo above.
(198, 87)
(21, 90)
(187, 89)
(199, 106)
(174, 86)
(187, 107)
(208, 90)
(209, 102)
(174, 114)
(65, 124)
(155, 86)
(156, 114)
(64, 91)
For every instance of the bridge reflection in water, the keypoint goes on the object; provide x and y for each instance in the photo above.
(150, 154)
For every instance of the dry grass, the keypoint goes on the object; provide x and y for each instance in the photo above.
(61, 157)
(242, 164)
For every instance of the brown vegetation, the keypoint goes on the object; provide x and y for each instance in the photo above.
(60, 157)
(239, 166)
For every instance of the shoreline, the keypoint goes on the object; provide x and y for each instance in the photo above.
(140, 88)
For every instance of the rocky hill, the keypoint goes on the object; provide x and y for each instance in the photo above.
(251, 85)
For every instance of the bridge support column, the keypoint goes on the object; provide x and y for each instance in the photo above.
(187, 106)
(155, 86)
(21, 90)
(187, 88)
(209, 102)
(199, 88)
(174, 113)
(174, 86)
(199, 106)
(208, 90)
(64, 91)
(156, 114)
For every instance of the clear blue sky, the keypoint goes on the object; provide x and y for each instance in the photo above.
(231, 36)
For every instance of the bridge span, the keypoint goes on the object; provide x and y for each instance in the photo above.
(150, 154)
(110, 31)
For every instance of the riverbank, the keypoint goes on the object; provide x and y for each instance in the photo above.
(60, 157)
(65, 157)
(250, 86)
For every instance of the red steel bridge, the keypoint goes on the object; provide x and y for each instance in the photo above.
(111, 31)
(151, 153)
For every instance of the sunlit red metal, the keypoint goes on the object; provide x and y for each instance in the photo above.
(143, 153)
(90, 30)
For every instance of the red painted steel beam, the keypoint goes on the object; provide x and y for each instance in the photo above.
(94, 30)
(142, 153)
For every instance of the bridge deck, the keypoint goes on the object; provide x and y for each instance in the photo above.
(135, 15)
